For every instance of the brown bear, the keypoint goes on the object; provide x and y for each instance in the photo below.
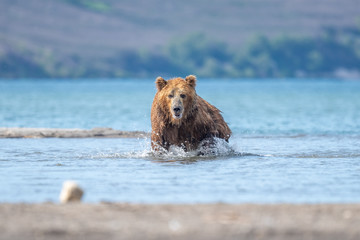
(182, 118)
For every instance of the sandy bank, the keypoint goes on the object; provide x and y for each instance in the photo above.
(199, 221)
(68, 133)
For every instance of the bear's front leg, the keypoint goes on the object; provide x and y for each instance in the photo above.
(207, 147)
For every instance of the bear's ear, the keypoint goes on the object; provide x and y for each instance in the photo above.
(160, 83)
(191, 80)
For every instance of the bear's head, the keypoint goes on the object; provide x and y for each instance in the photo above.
(177, 97)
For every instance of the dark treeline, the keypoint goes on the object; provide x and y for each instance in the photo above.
(335, 50)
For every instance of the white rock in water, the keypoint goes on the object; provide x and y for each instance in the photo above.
(71, 192)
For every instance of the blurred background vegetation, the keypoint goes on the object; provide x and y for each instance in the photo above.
(251, 39)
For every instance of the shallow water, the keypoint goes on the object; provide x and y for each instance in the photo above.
(294, 141)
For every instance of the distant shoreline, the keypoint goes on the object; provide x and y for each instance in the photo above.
(180, 221)
(69, 133)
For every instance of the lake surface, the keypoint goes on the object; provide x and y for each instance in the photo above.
(295, 141)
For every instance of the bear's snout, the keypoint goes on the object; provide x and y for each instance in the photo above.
(177, 112)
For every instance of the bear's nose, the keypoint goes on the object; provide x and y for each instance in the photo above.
(176, 109)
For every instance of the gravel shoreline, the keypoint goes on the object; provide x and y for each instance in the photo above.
(195, 221)
(69, 133)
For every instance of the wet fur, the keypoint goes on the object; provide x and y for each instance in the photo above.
(200, 120)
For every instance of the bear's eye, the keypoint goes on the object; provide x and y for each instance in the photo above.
(182, 95)
(171, 96)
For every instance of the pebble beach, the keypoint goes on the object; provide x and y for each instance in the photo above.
(171, 221)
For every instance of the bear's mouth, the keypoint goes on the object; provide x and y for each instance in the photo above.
(177, 115)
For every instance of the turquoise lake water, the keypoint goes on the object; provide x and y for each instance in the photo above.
(295, 141)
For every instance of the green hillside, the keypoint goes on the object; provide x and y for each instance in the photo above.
(139, 38)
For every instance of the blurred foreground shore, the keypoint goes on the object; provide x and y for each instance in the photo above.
(197, 221)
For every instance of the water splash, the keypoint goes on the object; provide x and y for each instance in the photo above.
(218, 148)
